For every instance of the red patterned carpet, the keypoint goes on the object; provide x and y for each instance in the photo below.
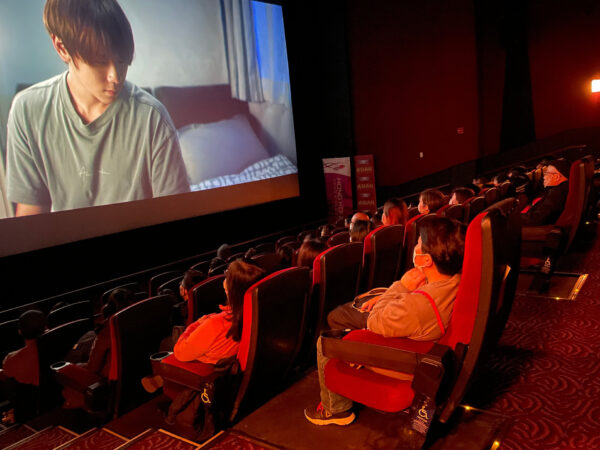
(546, 372)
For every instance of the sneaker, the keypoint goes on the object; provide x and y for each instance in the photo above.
(320, 416)
(152, 383)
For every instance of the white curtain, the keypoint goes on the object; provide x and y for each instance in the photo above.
(272, 52)
(240, 48)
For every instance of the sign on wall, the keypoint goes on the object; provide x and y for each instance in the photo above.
(338, 184)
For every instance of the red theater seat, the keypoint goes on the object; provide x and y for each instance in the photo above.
(206, 298)
(543, 245)
(341, 237)
(481, 285)
(473, 206)
(382, 256)
(456, 212)
(273, 328)
(136, 333)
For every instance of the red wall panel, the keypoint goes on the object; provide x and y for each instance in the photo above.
(414, 83)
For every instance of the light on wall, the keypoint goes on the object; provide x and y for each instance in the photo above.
(595, 85)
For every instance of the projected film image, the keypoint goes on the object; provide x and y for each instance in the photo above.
(179, 97)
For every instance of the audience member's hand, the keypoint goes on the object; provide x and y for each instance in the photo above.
(368, 305)
(413, 279)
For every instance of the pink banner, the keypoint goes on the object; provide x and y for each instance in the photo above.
(364, 174)
(338, 183)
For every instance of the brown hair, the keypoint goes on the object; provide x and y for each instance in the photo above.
(443, 239)
(91, 30)
(396, 210)
(239, 277)
(433, 198)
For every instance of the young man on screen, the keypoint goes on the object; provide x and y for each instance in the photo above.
(88, 137)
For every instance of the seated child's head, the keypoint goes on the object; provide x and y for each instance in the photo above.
(430, 201)
(32, 324)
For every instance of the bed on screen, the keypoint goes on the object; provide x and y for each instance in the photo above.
(219, 138)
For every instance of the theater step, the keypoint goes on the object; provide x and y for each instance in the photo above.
(46, 439)
(159, 439)
(97, 439)
(14, 434)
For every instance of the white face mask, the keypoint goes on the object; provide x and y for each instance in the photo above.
(415, 254)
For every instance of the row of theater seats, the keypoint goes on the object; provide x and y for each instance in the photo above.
(291, 319)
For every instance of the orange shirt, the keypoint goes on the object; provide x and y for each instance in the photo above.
(205, 340)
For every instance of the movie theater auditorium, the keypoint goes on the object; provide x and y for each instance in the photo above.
(495, 96)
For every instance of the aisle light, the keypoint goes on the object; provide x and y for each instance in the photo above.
(595, 85)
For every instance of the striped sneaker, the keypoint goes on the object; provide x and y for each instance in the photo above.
(320, 416)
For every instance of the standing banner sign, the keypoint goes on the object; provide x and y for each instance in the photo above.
(364, 174)
(338, 183)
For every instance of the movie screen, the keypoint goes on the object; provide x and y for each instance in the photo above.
(164, 118)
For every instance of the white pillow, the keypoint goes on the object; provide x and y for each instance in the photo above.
(214, 149)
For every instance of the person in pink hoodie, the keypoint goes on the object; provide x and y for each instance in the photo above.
(216, 336)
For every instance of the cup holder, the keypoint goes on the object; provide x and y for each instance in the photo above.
(159, 356)
(59, 365)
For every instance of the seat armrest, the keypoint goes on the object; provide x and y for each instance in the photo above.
(192, 374)
(539, 233)
(77, 378)
(402, 355)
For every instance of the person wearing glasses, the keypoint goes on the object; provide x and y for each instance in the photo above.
(546, 209)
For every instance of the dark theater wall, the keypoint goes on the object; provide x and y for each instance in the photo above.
(563, 52)
(414, 85)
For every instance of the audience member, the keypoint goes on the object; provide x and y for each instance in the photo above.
(358, 216)
(308, 251)
(22, 364)
(19, 375)
(359, 230)
(286, 253)
(405, 309)
(190, 279)
(394, 212)
(547, 208)
(214, 337)
(430, 201)
(460, 194)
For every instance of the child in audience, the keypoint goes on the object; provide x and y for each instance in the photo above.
(460, 195)
(214, 337)
(20, 369)
(430, 201)
(308, 251)
(22, 365)
(190, 279)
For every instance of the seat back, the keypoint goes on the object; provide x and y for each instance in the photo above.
(411, 236)
(491, 196)
(507, 258)
(284, 240)
(54, 344)
(341, 237)
(273, 326)
(307, 233)
(382, 255)
(268, 261)
(473, 206)
(159, 279)
(206, 297)
(475, 301)
(456, 212)
(69, 313)
(504, 189)
(590, 193)
(171, 284)
(572, 213)
(336, 278)
(136, 333)
(133, 287)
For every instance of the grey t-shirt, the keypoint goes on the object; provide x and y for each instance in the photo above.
(130, 152)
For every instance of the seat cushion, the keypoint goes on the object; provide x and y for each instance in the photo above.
(367, 387)
(192, 374)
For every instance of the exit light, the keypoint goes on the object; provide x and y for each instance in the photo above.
(595, 85)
